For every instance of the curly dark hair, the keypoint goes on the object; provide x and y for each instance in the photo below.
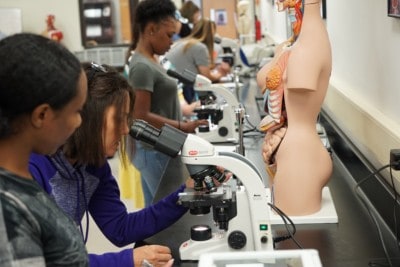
(153, 11)
(34, 70)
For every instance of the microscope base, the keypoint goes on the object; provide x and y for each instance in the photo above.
(191, 250)
(327, 214)
(253, 229)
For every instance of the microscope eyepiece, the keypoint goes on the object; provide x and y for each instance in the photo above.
(143, 131)
(168, 140)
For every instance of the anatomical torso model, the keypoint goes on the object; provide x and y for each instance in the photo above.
(294, 85)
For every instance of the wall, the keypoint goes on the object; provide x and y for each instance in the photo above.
(34, 15)
(273, 23)
(364, 94)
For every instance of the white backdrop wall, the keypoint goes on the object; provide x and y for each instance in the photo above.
(364, 97)
(366, 58)
(34, 13)
(273, 22)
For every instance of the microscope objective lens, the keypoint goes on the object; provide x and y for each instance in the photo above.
(209, 182)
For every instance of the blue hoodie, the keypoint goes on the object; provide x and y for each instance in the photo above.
(82, 189)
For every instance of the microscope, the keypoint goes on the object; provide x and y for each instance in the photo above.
(239, 206)
(218, 105)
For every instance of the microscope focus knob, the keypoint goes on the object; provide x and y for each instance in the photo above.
(201, 232)
(223, 131)
(237, 240)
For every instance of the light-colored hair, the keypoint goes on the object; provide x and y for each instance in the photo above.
(188, 9)
(203, 31)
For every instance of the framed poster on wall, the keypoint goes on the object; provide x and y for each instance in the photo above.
(221, 17)
(223, 13)
(393, 8)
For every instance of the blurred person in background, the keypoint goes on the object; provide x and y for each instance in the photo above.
(192, 13)
(196, 54)
(156, 95)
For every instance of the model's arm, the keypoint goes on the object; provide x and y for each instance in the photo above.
(310, 60)
(121, 227)
(303, 69)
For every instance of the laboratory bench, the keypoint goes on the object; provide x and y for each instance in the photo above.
(351, 242)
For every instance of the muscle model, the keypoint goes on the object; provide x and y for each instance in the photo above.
(294, 85)
(244, 21)
(51, 31)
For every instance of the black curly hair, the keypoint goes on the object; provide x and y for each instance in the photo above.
(34, 70)
(153, 11)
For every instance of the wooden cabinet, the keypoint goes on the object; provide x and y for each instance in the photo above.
(223, 12)
(97, 24)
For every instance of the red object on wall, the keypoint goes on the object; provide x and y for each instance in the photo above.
(51, 31)
(258, 28)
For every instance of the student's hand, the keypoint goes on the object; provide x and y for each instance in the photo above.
(190, 182)
(224, 68)
(228, 175)
(188, 109)
(170, 263)
(156, 255)
(190, 126)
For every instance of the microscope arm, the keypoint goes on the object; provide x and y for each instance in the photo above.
(197, 151)
(225, 93)
(193, 154)
(171, 141)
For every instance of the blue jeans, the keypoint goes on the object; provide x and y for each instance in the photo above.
(152, 165)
